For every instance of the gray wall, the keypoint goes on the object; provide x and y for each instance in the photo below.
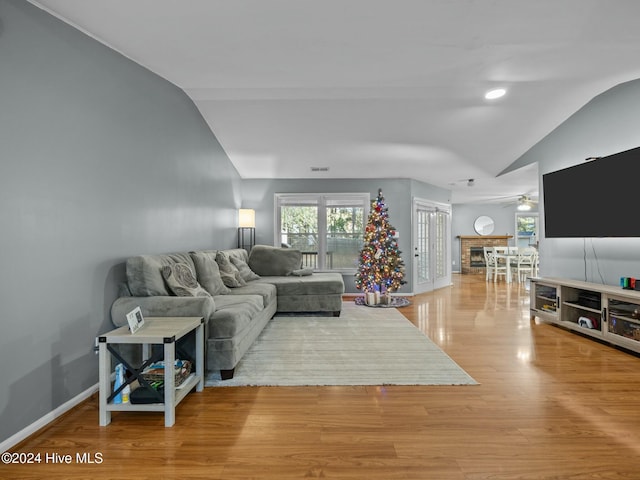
(398, 195)
(606, 125)
(99, 160)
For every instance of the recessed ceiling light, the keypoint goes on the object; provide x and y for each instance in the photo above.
(493, 94)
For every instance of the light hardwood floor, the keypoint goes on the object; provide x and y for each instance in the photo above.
(550, 405)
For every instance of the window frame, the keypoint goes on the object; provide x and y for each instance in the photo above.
(321, 199)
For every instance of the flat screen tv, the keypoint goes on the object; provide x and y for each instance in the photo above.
(597, 198)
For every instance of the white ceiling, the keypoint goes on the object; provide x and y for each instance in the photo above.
(377, 88)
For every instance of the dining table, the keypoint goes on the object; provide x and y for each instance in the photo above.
(507, 255)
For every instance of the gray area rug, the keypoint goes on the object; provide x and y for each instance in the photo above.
(364, 346)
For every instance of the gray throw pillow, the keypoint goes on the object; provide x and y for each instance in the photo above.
(245, 272)
(228, 272)
(273, 261)
(302, 272)
(208, 272)
(182, 282)
(144, 273)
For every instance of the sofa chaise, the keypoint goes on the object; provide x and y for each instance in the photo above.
(237, 294)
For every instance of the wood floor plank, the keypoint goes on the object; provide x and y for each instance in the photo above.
(551, 404)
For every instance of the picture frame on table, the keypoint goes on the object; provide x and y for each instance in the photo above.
(135, 319)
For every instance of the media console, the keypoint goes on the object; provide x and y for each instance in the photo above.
(605, 312)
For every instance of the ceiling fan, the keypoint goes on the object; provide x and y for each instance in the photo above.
(525, 203)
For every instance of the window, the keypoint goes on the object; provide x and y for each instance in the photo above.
(327, 228)
(526, 229)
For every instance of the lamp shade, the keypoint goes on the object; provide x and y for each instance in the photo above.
(246, 218)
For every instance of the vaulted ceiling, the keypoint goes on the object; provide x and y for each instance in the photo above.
(377, 88)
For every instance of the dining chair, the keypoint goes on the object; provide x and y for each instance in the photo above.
(489, 261)
(501, 266)
(525, 263)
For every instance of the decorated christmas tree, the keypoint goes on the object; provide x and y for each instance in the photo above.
(381, 269)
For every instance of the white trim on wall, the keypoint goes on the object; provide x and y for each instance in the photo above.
(48, 418)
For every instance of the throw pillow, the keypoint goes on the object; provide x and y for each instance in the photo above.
(208, 272)
(245, 272)
(273, 261)
(182, 282)
(228, 272)
(302, 272)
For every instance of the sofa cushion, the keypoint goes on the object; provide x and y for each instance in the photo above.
(267, 291)
(269, 261)
(316, 284)
(233, 314)
(182, 281)
(144, 276)
(228, 271)
(208, 272)
(245, 272)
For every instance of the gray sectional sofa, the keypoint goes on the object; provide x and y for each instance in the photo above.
(235, 292)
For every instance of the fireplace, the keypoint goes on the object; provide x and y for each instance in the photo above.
(472, 252)
(476, 257)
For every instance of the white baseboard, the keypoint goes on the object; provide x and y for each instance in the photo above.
(48, 418)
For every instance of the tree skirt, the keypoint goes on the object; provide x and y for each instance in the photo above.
(396, 302)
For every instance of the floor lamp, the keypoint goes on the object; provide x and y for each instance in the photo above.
(246, 228)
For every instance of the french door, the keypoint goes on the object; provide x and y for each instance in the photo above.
(431, 246)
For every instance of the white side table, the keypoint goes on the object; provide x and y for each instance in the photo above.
(156, 330)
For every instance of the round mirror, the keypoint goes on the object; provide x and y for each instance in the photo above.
(484, 225)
